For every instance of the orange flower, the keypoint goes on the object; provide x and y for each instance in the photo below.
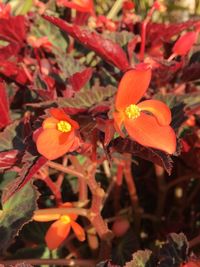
(58, 135)
(59, 230)
(147, 122)
(79, 5)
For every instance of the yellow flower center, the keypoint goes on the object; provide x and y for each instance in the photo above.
(132, 111)
(64, 126)
(65, 219)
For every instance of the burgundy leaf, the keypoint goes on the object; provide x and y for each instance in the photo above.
(79, 79)
(191, 72)
(28, 171)
(107, 127)
(13, 29)
(12, 71)
(9, 50)
(156, 156)
(104, 47)
(159, 33)
(8, 159)
(4, 107)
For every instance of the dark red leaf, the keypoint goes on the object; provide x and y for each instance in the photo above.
(156, 156)
(8, 159)
(8, 51)
(4, 107)
(28, 171)
(191, 72)
(79, 79)
(159, 33)
(13, 29)
(12, 71)
(104, 47)
(107, 127)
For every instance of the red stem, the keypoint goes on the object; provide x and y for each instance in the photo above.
(143, 31)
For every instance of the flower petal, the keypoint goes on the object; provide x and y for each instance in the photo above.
(60, 114)
(56, 234)
(78, 230)
(79, 5)
(50, 123)
(159, 109)
(52, 143)
(132, 87)
(146, 131)
(46, 218)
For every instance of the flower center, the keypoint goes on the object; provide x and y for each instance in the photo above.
(64, 126)
(132, 111)
(65, 219)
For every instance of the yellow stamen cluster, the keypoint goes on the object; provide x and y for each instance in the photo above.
(64, 126)
(65, 219)
(132, 111)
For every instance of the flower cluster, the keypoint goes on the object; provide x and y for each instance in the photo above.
(146, 122)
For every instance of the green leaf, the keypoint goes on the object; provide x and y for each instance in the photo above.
(17, 211)
(140, 259)
(180, 240)
(122, 38)
(12, 137)
(21, 7)
(172, 100)
(173, 252)
(82, 99)
(67, 63)
(88, 98)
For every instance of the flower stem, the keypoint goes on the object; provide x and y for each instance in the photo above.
(49, 262)
(52, 186)
(115, 9)
(143, 31)
(64, 169)
(62, 211)
(132, 191)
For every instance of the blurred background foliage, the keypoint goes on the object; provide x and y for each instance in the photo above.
(178, 10)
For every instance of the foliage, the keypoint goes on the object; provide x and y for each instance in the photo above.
(99, 132)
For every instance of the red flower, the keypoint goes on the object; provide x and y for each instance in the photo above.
(58, 135)
(147, 122)
(60, 229)
(79, 5)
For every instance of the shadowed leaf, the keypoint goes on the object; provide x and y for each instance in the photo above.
(17, 211)
(12, 137)
(156, 156)
(29, 169)
(140, 259)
